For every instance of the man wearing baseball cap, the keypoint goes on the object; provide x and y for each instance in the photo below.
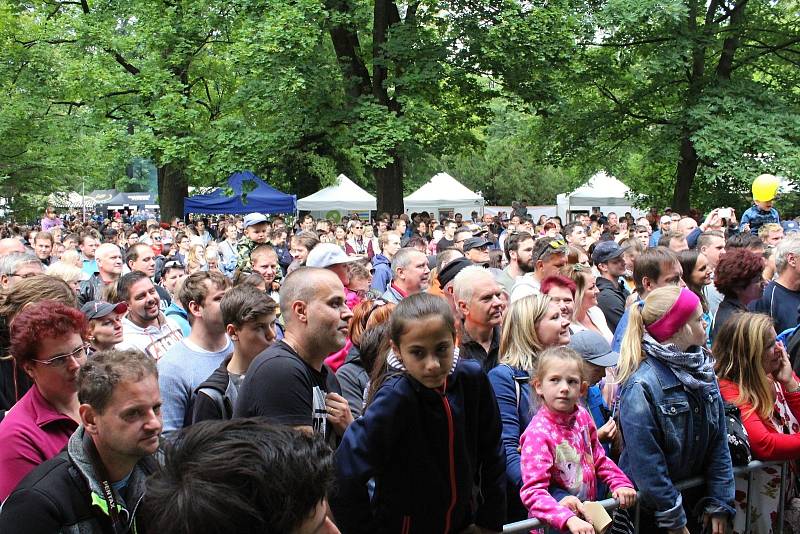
(331, 256)
(607, 257)
(105, 324)
(664, 225)
(476, 249)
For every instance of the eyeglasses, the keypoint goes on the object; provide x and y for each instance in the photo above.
(156, 238)
(61, 359)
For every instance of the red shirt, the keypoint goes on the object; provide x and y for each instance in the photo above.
(766, 442)
(32, 431)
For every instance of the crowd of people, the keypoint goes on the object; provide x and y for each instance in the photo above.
(403, 374)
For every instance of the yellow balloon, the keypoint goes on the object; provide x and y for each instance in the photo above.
(765, 187)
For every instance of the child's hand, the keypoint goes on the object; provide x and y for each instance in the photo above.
(608, 431)
(576, 525)
(574, 504)
(625, 496)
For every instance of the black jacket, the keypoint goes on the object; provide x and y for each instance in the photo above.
(91, 289)
(611, 300)
(436, 456)
(64, 495)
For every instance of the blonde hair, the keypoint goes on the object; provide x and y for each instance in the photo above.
(72, 257)
(738, 349)
(65, 271)
(577, 273)
(656, 304)
(559, 353)
(519, 343)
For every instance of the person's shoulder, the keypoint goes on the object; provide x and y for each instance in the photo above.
(276, 356)
(52, 477)
(175, 356)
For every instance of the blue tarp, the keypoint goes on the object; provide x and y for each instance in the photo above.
(261, 198)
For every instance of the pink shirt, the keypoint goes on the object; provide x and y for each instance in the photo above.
(563, 450)
(31, 432)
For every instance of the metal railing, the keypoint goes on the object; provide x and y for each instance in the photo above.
(612, 504)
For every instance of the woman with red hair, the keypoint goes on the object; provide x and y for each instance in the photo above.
(739, 278)
(48, 343)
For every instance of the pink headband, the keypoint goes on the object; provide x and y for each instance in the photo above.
(676, 316)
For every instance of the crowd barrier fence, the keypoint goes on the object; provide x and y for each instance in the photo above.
(612, 504)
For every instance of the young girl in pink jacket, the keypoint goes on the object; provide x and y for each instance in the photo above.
(560, 448)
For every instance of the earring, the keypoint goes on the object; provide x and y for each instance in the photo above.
(91, 338)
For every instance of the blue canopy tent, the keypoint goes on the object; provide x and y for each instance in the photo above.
(258, 197)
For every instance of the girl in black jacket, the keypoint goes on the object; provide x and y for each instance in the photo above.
(430, 438)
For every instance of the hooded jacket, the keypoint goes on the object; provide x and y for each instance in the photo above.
(436, 456)
(64, 495)
(383, 273)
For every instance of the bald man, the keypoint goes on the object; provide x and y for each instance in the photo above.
(9, 245)
(287, 383)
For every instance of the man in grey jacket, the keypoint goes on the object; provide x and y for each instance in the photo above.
(97, 484)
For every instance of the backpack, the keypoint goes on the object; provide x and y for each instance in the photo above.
(219, 400)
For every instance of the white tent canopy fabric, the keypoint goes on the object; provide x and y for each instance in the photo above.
(344, 195)
(600, 191)
(70, 199)
(442, 191)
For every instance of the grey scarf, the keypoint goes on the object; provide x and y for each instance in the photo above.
(694, 369)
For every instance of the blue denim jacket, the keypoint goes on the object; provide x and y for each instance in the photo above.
(671, 434)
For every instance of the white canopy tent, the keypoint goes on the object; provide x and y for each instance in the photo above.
(343, 195)
(601, 191)
(444, 193)
(70, 199)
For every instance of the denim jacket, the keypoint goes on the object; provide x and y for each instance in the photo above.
(671, 434)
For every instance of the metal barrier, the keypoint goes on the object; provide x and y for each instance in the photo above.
(612, 504)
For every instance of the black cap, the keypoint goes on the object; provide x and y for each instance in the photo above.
(605, 251)
(475, 242)
(450, 270)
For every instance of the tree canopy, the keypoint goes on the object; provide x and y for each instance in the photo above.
(684, 101)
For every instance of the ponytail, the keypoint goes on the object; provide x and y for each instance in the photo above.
(657, 304)
(630, 352)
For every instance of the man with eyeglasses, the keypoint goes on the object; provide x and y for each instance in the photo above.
(97, 483)
(476, 250)
(17, 266)
(109, 269)
(548, 255)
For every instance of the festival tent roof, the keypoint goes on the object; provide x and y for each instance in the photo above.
(261, 198)
(601, 190)
(124, 200)
(344, 194)
(70, 199)
(442, 191)
(102, 196)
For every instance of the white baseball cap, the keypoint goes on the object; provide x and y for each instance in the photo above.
(327, 254)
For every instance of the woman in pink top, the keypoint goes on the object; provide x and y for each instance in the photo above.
(48, 343)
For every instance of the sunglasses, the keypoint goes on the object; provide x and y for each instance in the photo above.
(554, 246)
(377, 303)
(61, 359)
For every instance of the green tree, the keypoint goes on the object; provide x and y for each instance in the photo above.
(682, 99)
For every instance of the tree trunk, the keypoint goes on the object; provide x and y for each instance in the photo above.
(686, 171)
(389, 186)
(173, 187)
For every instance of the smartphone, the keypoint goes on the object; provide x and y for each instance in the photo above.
(724, 213)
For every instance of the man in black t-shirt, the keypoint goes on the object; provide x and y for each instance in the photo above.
(288, 383)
